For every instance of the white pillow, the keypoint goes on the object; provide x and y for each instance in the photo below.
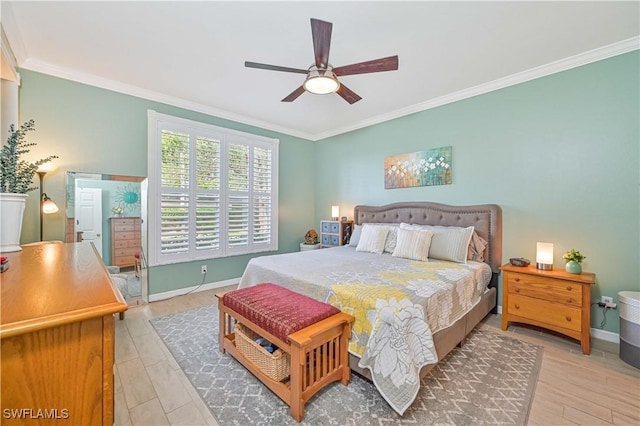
(413, 244)
(355, 236)
(390, 241)
(372, 238)
(448, 242)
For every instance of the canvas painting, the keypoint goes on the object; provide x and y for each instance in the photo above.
(423, 168)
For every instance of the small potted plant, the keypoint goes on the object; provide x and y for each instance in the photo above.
(310, 241)
(573, 258)
(16, 179)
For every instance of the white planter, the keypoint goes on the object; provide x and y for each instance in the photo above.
(11, 213)
(305, 247)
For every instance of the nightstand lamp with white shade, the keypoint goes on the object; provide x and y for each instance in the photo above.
(335, 212)
(544, 256)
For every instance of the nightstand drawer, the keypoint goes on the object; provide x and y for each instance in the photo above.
(546, 312)
(326, 239)
(335, 227)
(335, 240)
(326, 226)
(546, 288)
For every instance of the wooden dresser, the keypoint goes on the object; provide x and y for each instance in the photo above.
(57, 332)
(555, 300)
(125, 240)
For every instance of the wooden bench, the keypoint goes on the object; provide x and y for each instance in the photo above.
(318, 351)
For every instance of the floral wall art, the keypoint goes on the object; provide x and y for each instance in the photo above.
(423, 168)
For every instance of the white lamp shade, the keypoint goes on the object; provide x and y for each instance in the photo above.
(46, 167)
(49, 207)
(544, 253)
(335, 211)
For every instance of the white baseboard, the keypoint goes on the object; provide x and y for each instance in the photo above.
(596, 333)
(194, 289)
(605, 335)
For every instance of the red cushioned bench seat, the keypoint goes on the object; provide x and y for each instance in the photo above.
(276, 309)
(314, 334)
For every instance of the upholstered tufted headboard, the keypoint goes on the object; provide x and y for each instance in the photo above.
(485, 218)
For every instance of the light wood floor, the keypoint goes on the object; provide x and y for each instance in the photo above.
(151, 389)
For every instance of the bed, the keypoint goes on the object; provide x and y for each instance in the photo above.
(410, 311)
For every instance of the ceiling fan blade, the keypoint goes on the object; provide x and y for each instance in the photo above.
(347, 94)
(274, 67)
(321, 32)
(294, 95)
(377, 65)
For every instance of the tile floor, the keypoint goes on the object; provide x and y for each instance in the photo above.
(151, 389)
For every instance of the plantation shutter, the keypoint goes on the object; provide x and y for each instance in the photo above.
(174, 197)
(238, 192)
(208, 194)
(215, 191)
(262, 198)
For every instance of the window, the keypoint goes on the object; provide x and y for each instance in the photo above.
(212, 191)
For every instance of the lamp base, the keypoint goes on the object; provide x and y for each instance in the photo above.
(544, 266)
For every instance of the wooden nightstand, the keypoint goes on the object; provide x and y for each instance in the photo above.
(555, 300)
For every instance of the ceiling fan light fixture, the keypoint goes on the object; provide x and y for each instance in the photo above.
(321, 82)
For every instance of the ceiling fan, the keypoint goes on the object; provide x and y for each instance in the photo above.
(322, 77)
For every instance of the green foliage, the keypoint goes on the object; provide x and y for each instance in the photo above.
(574, 255)
(16, 174)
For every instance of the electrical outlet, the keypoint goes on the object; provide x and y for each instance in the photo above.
(606, 300)
(204, 269)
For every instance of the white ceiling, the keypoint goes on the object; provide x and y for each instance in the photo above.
(192, 54)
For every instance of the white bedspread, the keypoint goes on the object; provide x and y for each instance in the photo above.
(398, 305)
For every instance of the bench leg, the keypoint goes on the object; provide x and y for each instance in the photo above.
(344, 354)
(298, 363)
(222, 324)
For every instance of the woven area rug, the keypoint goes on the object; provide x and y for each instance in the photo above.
(490, 380)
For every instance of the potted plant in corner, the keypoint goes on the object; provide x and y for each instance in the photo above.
(16, 178)
(310, 241)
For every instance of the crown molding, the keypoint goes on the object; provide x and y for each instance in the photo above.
(9, 68)
(127, 89)
(619, 48)
(578, 60)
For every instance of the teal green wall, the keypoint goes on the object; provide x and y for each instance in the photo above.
(100, 131)
(559, 154)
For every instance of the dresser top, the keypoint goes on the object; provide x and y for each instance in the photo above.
(52, 284)
(561, 274)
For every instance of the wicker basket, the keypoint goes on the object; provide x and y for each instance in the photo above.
(276, 365)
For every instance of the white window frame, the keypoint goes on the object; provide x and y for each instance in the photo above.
(158, 122)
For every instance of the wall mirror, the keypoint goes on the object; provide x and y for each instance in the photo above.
(111, 212)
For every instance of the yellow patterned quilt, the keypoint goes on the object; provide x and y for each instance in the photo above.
(397, 303)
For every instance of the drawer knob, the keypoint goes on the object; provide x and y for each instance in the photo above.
(568, 288)
(569, 300)
(517, 280)
(517, 290)
(568, 318)
(517, 306)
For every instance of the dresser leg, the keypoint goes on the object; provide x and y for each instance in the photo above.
(586, 345)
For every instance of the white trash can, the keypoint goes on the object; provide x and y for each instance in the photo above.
(630, 327)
